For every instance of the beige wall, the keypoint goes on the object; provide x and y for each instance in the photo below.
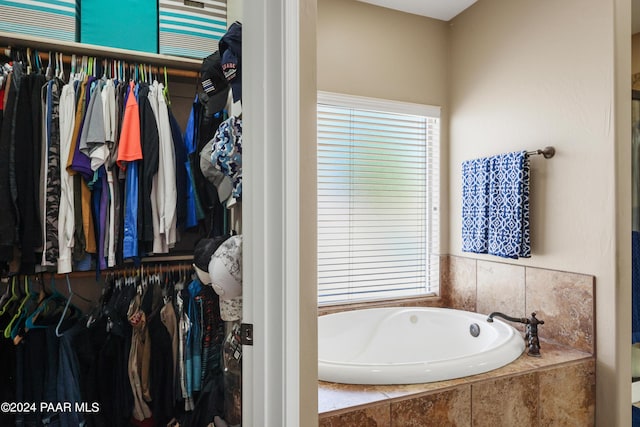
(635, 59)
(515, 75)
(308, 221)
(234, 11)
(372, 51)
(635, 65)
(530, 74)
(376, 52)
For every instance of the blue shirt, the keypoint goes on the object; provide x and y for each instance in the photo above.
(130, 238)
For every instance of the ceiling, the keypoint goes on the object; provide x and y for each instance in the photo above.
(438, 9)
(447, 10)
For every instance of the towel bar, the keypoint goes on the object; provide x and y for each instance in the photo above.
(547, 152)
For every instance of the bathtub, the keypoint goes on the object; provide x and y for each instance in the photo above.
(412, 345)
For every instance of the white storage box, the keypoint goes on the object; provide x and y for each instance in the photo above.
(191, 28)
(53, 19)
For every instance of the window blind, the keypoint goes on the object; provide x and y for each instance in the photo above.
(378, 199)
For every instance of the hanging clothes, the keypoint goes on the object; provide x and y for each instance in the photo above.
(26, 168)
(66, 222)
(94, 171)
(102, 172)
(167, 192)
(149, 165)
(53, 188)
(181, 172)
(8, 215)
(130, 151)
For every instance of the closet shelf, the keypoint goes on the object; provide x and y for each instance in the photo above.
(176, 65)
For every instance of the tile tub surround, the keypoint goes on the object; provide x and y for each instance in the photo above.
(565, 301)
(555, 389)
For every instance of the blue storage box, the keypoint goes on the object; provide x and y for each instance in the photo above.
(126, 24)
(192, 28)
(52, 19)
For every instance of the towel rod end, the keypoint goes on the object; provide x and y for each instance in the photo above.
(547, 152)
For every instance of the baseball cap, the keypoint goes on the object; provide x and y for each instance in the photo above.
(230, 46)
(225, 271)
(214, 86)
(214, 175)
(226, 154)
(204, 249)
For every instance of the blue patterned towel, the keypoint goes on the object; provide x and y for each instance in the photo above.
(509, 205)
(475, 205)
(495, 205)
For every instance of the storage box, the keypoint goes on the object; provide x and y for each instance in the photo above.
(52, 19)
(126, 24)
(192, 28)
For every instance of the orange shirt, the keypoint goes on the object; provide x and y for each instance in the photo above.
(129, 146)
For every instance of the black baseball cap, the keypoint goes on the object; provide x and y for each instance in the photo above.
(231, 50)
(214, 87)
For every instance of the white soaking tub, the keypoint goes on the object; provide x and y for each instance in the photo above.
(403, 345)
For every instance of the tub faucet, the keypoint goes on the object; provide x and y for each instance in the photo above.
(531, 337)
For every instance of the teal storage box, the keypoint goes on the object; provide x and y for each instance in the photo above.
(125, 24)
(52, 19)
(192, 28)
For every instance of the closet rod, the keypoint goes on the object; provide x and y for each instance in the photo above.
(178, 262)
(170, 71)
(176, 65)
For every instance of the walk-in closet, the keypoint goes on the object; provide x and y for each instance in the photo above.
(121, 219)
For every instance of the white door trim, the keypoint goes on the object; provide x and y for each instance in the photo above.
(270, 73)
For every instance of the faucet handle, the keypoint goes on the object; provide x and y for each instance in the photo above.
(535, 321)
(532, 335)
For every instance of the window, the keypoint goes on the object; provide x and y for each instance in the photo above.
(378, 199)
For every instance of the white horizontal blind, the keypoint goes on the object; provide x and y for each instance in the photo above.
(378, 199)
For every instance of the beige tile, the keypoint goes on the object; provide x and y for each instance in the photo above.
(334, 396)
(506, 402)
(458, 284)
(567, 395)
(448, 408)
(372, 416)
(566, 304)
(500, 288)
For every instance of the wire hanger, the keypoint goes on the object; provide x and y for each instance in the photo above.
(28, 60)
(43, 304)
(14, 296)
(66, 307)
(18, 313)
(61, 75)
(72, 73)
(37, 60)
(49, 69)
(56, 70)
(6, 295)
(165, 90)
